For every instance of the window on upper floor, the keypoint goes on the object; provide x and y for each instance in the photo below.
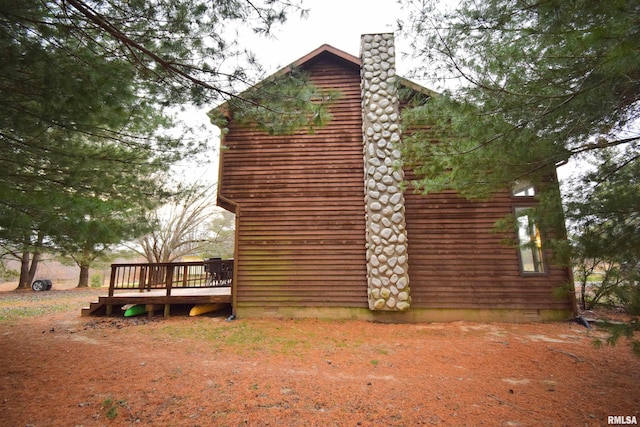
(529, 242)
(523, 189)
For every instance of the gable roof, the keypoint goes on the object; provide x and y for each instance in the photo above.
(317, 53)
(324, 49)
(328, 49)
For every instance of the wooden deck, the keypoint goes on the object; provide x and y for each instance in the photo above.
(154, 285)
(112, 305)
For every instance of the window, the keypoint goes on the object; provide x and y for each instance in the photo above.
(529, 242)
(523, 189)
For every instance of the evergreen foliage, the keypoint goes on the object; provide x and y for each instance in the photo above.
(87, 90)
(604, 215)
(539, 83)
(282, 104)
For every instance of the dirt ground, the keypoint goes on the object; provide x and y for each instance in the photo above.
(61, 369)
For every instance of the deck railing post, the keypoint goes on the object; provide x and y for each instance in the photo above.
(112, 279)
(185, 275)
(142, 278)
(169, 285)
(112, 285)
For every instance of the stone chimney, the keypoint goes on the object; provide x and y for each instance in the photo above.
(387, 258)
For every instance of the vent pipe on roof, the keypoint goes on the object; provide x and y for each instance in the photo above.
(387, 259)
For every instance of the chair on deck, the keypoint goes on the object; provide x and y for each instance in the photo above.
(213, 269)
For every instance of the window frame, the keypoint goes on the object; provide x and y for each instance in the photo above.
(524, 211)
(522, 189)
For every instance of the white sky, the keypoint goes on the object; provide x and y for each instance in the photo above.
(336, 22)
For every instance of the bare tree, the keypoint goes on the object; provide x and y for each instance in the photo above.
(182, 227)
(222, 232)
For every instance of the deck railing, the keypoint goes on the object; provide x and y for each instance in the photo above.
(209, 273)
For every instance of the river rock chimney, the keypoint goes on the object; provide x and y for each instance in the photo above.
(386, 234)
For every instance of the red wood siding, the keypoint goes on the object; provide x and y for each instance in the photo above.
(301, 214)
(301, 228)
(457, 261)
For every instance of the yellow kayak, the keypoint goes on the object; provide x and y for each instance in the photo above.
(199, 309)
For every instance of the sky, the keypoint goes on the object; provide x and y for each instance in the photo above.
(339, 23)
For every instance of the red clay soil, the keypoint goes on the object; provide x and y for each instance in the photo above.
(61, 369)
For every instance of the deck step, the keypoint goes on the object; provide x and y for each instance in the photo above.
(94, 307)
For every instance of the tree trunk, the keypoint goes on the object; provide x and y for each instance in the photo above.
(23, 282)
(28, 269)
(83, 281)
(34, 266)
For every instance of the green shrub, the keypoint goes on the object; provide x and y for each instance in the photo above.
(628, 296)
(96, 280)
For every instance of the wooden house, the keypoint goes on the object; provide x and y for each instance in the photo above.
(325, 226)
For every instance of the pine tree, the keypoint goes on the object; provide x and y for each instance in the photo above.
(88, 90)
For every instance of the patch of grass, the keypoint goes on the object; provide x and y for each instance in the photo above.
(16, 312)
(112, 413)
(111, 407)
(21, 304)
(192, 329)
(375, 362)
(251, 337)
(240, 337)
(246, 336)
